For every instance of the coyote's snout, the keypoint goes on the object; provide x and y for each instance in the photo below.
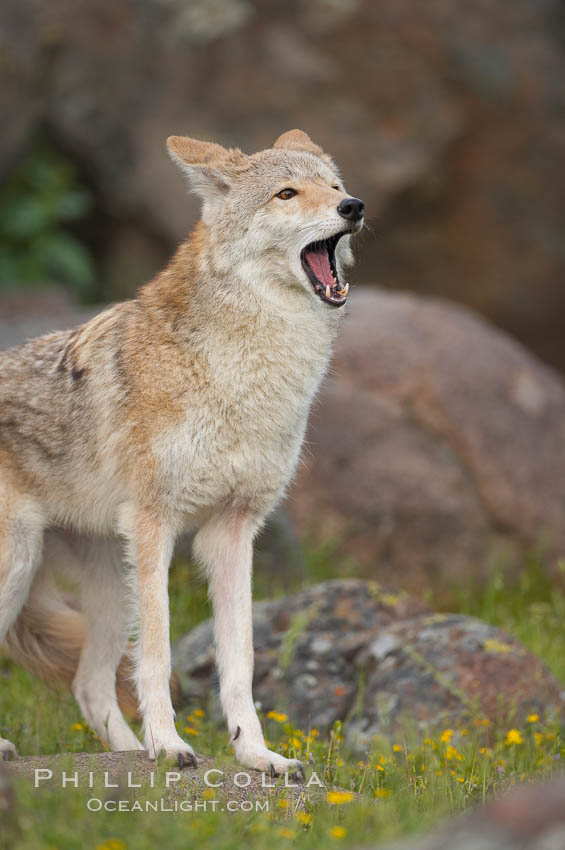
(185, 407)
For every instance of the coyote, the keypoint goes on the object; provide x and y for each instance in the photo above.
(183, 408)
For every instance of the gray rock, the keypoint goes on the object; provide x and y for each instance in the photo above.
(420, 670)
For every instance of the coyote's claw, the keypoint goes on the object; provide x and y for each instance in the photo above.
(186, 760)
(299, 774)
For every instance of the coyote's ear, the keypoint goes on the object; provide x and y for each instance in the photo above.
(298, 140)
(207, 165)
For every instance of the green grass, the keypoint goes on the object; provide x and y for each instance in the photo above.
(400, 787)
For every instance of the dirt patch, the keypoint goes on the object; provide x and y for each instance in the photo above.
(131, 776)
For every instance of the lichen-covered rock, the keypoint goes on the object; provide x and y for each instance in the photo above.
(442, 669)
(350, 644)
(305, 648)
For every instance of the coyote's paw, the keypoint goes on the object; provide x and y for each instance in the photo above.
(177, 751)
(7, 750)
(260, 758)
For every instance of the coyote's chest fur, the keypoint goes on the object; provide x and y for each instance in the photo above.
(239, 437)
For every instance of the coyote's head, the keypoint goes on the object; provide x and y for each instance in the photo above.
(280, 216)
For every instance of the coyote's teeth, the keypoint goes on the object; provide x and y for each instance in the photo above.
(328, 291)
(346, 290)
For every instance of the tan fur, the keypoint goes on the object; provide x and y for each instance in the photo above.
(48, 641)
(185, 407)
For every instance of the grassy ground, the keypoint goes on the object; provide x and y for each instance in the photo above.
(400, 787)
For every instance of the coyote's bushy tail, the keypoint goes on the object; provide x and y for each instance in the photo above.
(47, 639)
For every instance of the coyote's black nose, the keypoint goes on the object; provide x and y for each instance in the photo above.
(352, 209)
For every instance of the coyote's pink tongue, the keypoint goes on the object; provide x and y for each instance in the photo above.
(319, 263)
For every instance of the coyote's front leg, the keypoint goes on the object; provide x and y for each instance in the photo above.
(225, 547)
(152, 549)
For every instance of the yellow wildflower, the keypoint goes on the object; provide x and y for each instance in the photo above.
(286, 833)
(532, 718)
(513, 737)
(339, 797)
(77, 727)
(188, 730)
(304, 817)
(396, 748)
(538, 738)
(115, 844)
(445, 736)
(460, 779)
(486, 751)
(382, 792)
(277, 716)
(380, 767)
(295, 742)
(338, 832)
(199, 712)
(451, 752)
(283, 804)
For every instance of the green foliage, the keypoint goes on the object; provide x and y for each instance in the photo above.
(530, 606)
(37, 205)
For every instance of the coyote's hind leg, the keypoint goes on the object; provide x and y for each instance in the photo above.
(21, 534)
(104, 605)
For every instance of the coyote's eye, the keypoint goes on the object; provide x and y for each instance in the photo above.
(286, 194)
(336, 188)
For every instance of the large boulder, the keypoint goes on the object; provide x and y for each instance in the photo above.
(447, 118)
(351, 644)
(437, 446)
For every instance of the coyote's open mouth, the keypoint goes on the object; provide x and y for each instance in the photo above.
(318, 261)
